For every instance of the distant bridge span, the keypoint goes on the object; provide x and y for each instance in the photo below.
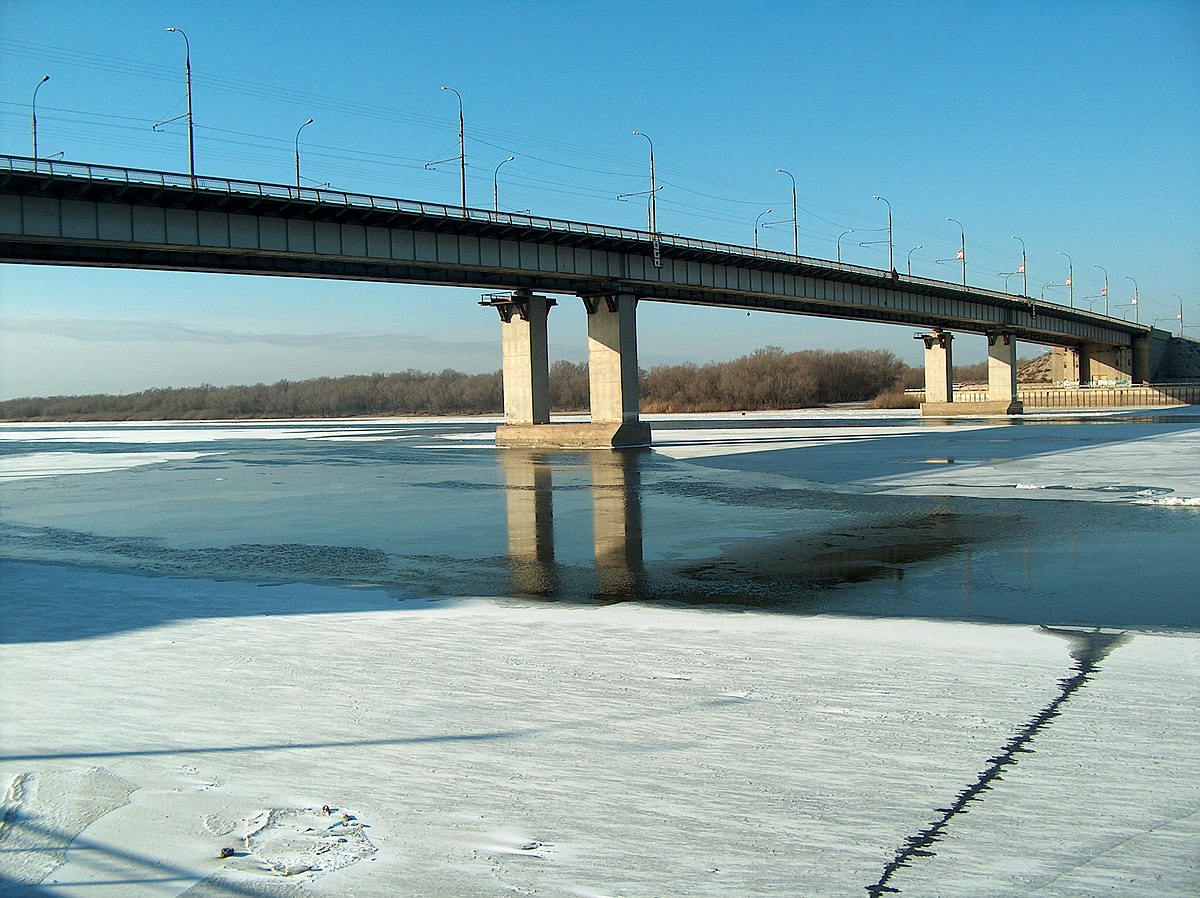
(65, 213)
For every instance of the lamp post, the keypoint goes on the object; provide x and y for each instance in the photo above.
(1025, 277)
(910, 252)
(891, 263)
(653, 213)
(1135, 298)
(1180, 298)
(187, 67)
(962, 248)
(1104, 292)
(756, 221)
(33, 107)
(462, 150)
(298, 130)
(1070, 277)
(496, 185)
(839, 243)
(795, 225)
(1006, 275)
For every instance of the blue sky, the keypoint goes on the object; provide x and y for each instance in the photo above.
(1073, 125)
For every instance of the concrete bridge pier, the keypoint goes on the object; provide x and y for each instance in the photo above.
(939, 377)
(612, 372)
(939, 373)
(1092, 363)
(526, 356)
(1002, 375)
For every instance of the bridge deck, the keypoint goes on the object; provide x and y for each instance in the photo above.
(82, 214)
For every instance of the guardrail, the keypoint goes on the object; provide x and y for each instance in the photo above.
(235, 187)
(1093, 397)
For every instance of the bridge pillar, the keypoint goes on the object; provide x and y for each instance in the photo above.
(939, 378)
(612, 372)
(526, 356)
(1002, 373)
(1066, 364)
(1143, 368)
(939, 372)
(612, 359)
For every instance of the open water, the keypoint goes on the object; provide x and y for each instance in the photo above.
(433, 509)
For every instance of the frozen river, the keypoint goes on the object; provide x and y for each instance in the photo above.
(774, 655)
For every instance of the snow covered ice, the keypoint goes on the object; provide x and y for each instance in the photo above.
(860, 655)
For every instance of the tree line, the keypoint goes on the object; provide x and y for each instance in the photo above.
(766, 379)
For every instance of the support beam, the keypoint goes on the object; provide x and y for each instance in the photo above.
(526, 356)
(939, 372)
(939, 378)
(1066, 365)
(612, 359)
(1002, 373)
(612, 369)
(939, 366)
(1143, 359)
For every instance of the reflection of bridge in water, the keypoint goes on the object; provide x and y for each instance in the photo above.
(616, 521)
(798, 563)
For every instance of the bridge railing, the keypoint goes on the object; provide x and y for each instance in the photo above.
(329, 196)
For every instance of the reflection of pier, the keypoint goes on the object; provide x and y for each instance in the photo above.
(616, 521)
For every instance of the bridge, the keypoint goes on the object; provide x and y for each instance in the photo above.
(69, 213)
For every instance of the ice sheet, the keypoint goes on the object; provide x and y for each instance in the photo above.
(619, 750)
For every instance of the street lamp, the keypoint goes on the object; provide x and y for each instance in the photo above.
(1135, 298)
(839, 243)
(33, 106)
(756, 221)
(1180, 298)
(1025, 278)
(298, 130)
(1006, 275)
(891, 264)
(496, 185)
(187, 65)
(653, 213)
(910, 252)
(462, 150)
(962, 249)
(1070, 277)
(1104, 292)
(795, 226)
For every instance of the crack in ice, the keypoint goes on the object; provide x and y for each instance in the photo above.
(1093, 647)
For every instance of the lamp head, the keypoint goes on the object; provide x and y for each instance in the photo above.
(309, 122)
(45, 78)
